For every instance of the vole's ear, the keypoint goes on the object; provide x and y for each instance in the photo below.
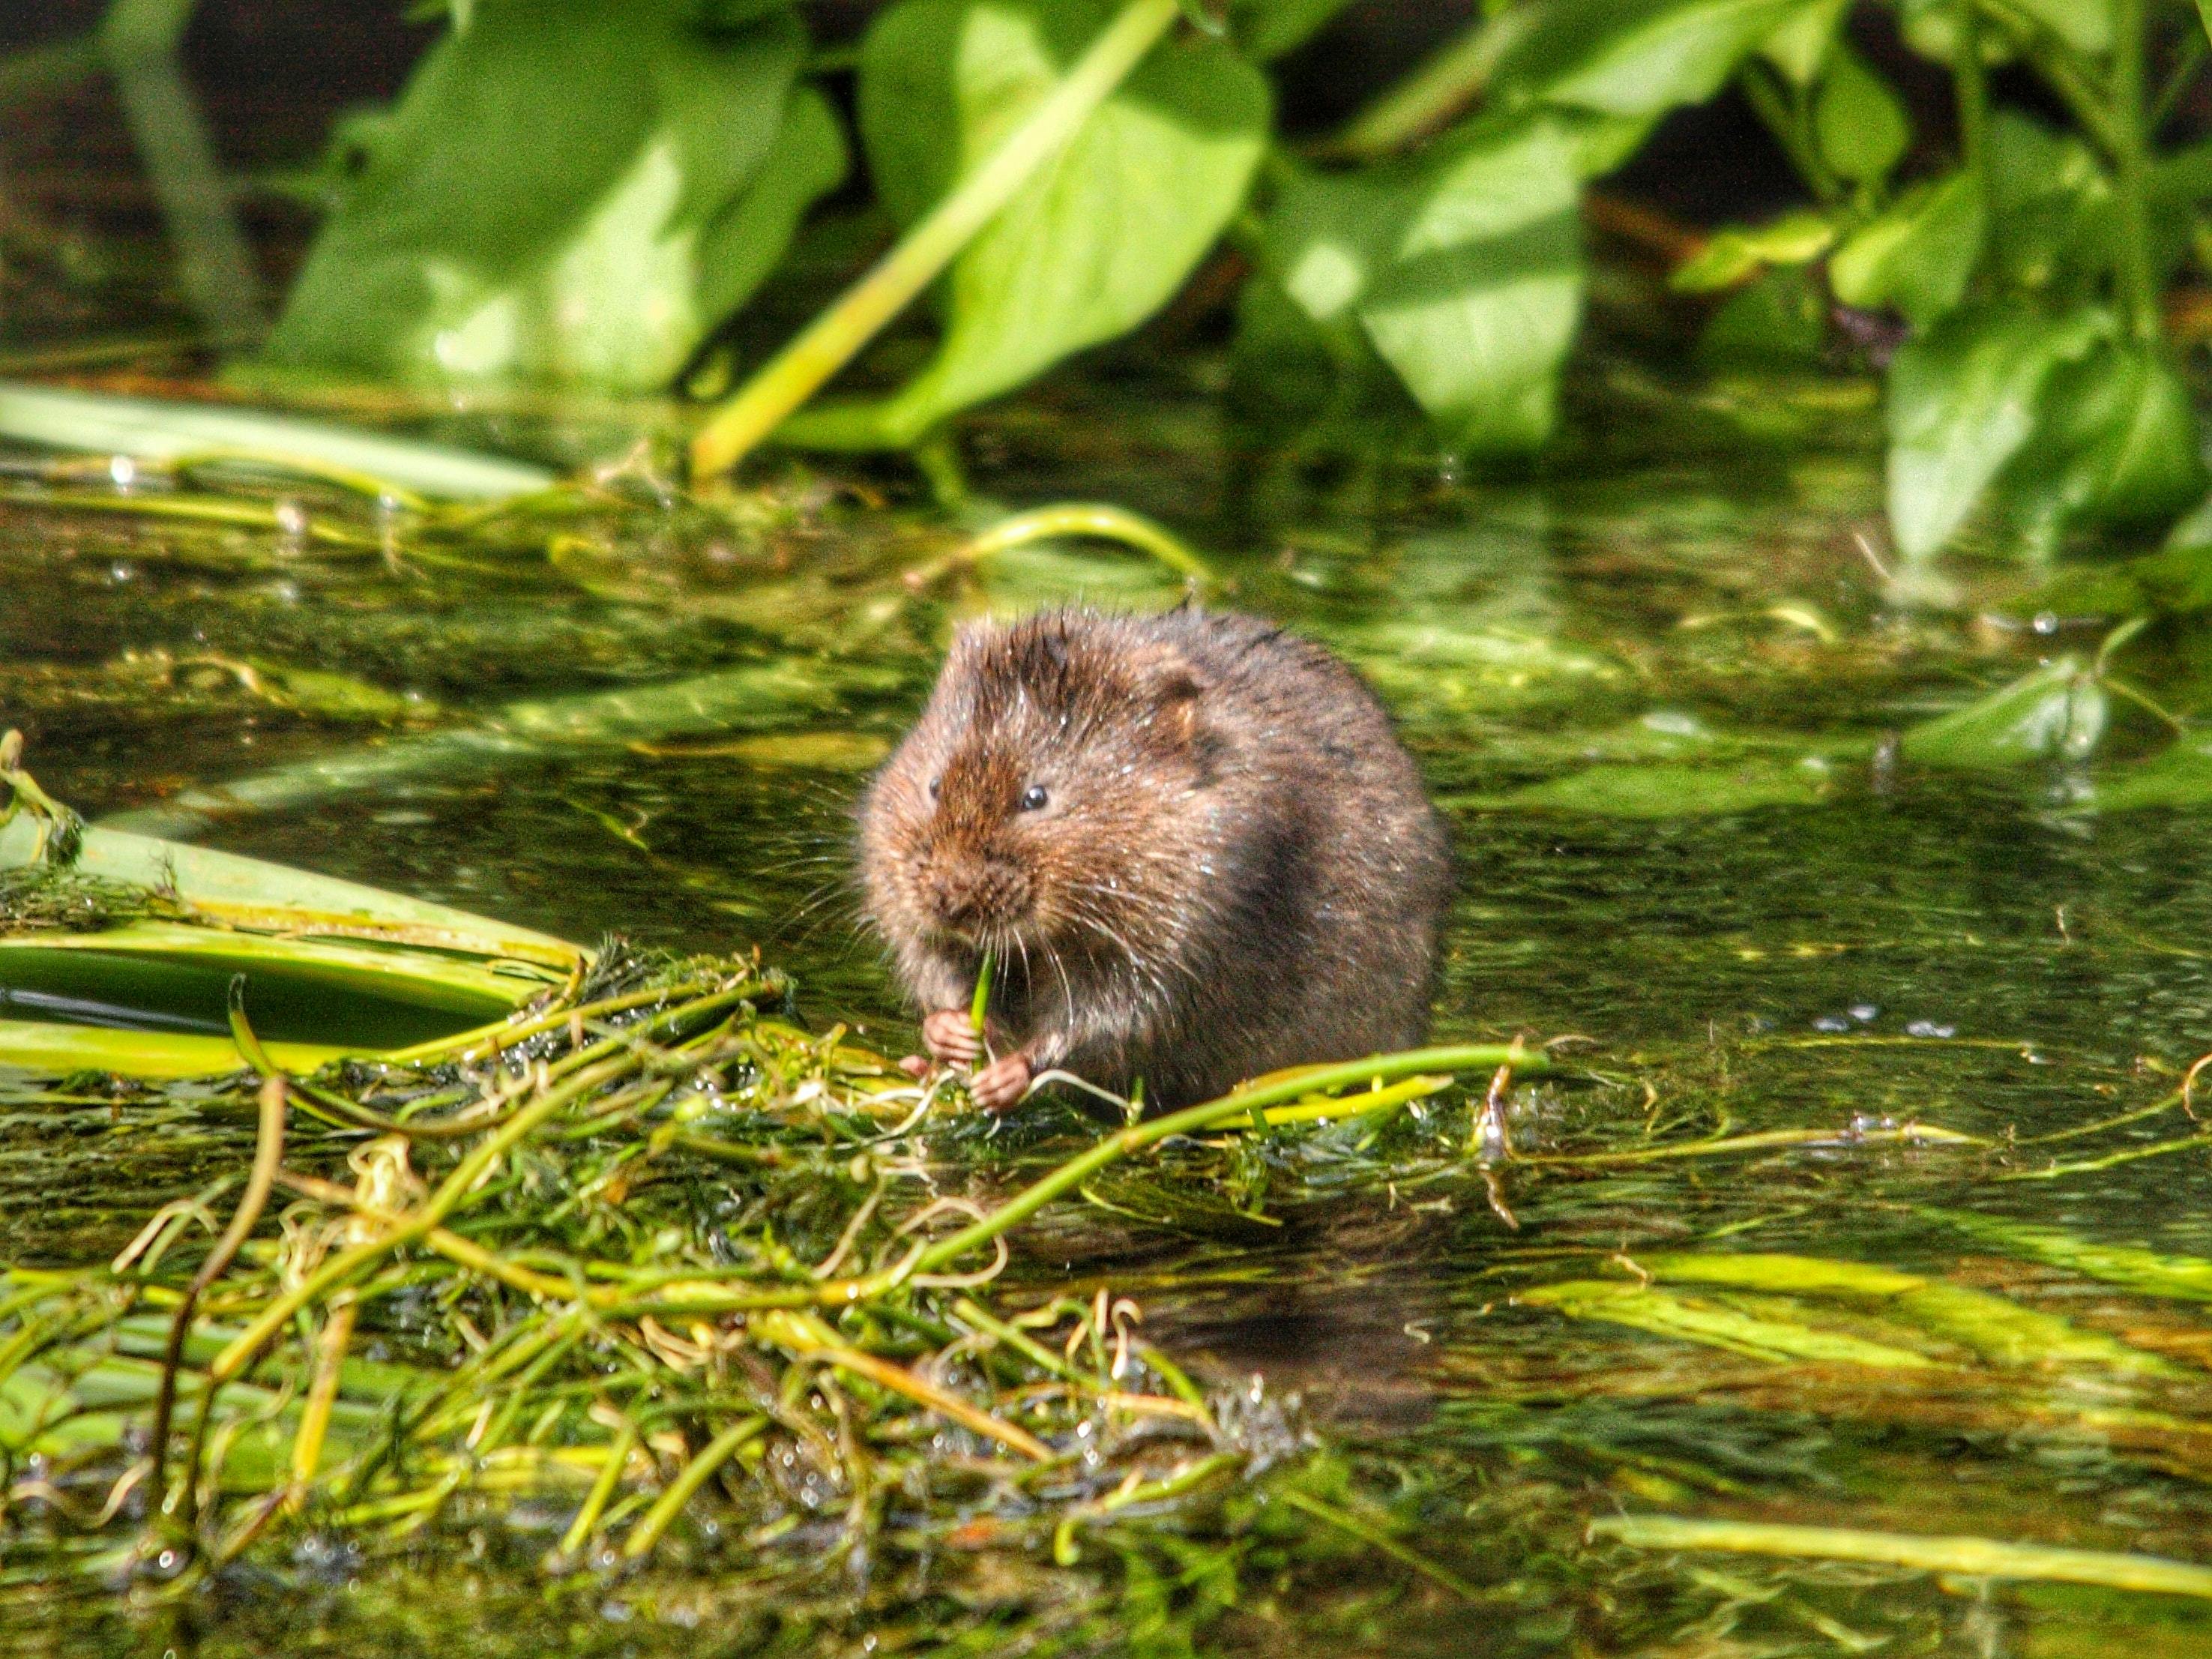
(1175, 687)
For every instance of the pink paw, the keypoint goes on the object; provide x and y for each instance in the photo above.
(949, 1037)
(1001, 1084)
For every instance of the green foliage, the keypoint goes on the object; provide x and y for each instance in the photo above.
(1963, 402)
(1463, 269)
(579, 193)
(567, 193)
(1107, 231)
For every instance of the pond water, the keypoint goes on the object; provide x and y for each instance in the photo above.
(1652, 687)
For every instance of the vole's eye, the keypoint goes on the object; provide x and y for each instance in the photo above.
(1033, 798)
(935, 785)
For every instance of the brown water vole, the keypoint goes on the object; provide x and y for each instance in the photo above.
(1191, 840)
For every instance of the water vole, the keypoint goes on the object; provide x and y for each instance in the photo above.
(1191, 840)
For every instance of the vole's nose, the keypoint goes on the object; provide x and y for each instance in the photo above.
(970, 893)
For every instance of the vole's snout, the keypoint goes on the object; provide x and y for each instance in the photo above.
(968, 896)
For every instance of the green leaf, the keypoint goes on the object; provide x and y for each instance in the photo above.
(1464, 269)
(1918, 257)
(2117, 441)
(1735, 253)
(2057, 712)
(1636, 58)
(1800, 47)
(1106, 232)
(566, 192)
(1858, 121)
(1963, 401)
(2178, 775)
(331, 966)
(2047, 190)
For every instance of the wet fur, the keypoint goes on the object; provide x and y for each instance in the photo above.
(1236, 869)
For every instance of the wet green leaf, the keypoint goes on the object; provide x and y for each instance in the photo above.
(1918, 256)
(566, 192)
(1858, 121)
(1963, 401)
(1107, 231)
(1464, 269)
(2057, 712)
(1636, 58)
(1735, 253)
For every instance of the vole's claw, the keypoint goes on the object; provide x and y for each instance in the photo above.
(949, 1035)
(1001, 1084)
(914, 1065)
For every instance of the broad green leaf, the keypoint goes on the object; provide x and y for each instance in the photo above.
(1963, 401)
(2047, 190)
(1916, 257)
(2057, 712)
(1858, 121)
(1638, 57)
(566, 192)
(2117, 441)
(95, 422)
(1105, 233)
(1781, 316)
(331, 966)
(1464, 269)
(1735, 253)
(1800, 47)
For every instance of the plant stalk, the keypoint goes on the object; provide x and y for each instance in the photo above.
(828, 342)
(2138, 283)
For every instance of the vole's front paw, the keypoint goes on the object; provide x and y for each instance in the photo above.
(949, 1035)
(1001, 1084)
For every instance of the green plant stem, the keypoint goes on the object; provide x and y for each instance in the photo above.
(2138, 283)
(1978, 1558)
(1970, 84)
(268, 1154)
(1442, 86)
(656, 1521)
(828, 343)
(1307, 1080)
(344, 1265)
(603, 1488)
(1784, 117)
(979, 1008)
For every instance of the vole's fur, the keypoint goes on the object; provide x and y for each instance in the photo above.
(1234, 867)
